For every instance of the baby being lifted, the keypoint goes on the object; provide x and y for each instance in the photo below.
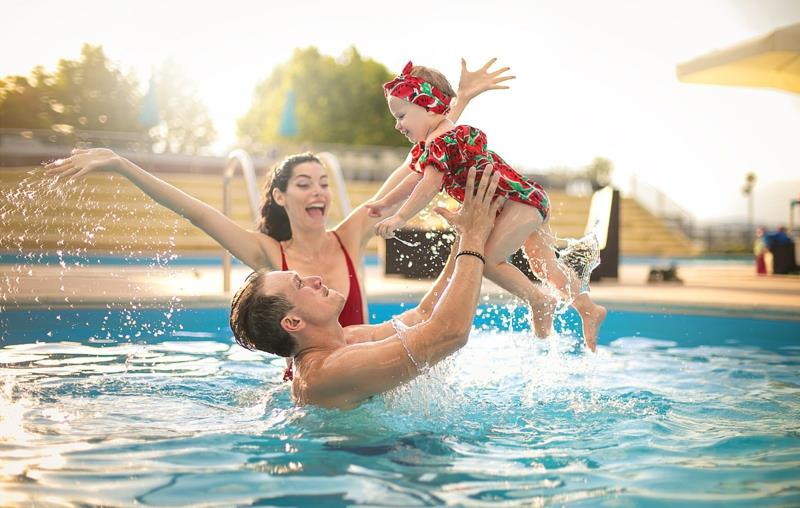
(419, 98)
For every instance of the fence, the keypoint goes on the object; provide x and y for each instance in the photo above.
(732, 237)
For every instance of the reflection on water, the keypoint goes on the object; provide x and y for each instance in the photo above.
(510, 420)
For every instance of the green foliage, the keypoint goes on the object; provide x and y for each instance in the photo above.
(89, 94)
(600, 170)
(22, 105)
(185, 125)
(92, 94)
(338, 100)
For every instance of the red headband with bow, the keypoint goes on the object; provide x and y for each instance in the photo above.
(417, 91)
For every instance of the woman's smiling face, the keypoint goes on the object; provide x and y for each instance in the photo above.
(307, 197)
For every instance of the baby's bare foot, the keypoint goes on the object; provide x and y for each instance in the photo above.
(592, 318)
(542, 314)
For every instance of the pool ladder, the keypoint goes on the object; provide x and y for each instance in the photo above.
(241, 159)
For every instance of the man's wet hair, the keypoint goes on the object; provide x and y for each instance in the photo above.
(256, 318)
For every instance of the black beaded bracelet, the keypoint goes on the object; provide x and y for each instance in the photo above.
(472, 253)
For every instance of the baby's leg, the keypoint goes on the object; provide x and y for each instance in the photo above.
(513, 225)
(540, 249)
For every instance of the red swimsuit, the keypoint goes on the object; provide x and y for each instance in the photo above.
(353, 310)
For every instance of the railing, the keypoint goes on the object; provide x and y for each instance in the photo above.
(237, 159)
(716, 237)
(241, 159)
(728, 238)
(659, 204)
(333, 165)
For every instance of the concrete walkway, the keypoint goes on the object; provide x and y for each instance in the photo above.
(713, 288)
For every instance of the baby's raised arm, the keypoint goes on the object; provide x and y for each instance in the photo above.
(401, 191)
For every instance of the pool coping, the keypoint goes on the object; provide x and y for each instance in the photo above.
(223, 301)
(708, 290)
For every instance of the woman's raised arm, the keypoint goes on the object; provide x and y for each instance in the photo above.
(248, 246)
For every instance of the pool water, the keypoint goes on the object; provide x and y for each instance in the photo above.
(101, 407)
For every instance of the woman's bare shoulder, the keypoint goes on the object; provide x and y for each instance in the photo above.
(350, 236)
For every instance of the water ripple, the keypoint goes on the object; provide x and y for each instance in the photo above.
(509, 421)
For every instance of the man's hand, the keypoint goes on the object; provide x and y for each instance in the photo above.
(477, 213)
(474, 83)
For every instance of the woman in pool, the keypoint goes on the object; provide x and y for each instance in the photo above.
(291, 233)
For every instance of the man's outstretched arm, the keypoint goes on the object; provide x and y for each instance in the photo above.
(358, 371)
(370, 333)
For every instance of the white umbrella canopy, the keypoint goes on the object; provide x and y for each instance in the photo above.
(771, 61)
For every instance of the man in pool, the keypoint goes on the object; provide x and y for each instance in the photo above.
(292, 316)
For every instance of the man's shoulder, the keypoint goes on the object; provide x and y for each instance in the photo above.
(309, 375)
(318, 384)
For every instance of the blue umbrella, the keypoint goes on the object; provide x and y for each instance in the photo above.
(288, 127)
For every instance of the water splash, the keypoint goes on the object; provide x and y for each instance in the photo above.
(55, 229)
(580, 257)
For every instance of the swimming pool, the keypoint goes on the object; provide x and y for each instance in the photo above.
(159, 407)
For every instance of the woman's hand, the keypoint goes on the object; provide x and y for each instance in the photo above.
(479, 210)
(474, 83)
(387, 227)
(82, 161)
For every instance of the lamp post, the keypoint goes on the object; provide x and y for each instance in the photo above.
(747, 190)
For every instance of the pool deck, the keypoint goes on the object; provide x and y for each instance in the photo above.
(731, 289)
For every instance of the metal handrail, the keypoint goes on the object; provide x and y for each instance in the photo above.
(237, 158)
(655, 201)
(333, 165)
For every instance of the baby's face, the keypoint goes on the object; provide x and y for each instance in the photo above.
(411, 120)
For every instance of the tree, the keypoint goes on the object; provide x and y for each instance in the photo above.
(22, 105)
(337, 100)
(185, 126)
(599, 172)
(88, 94)
(92, 94)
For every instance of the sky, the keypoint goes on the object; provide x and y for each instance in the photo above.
(594, 78)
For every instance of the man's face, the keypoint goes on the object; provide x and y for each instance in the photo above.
(312, 301)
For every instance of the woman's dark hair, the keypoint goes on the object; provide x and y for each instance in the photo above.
(274, 221)
(256, 318)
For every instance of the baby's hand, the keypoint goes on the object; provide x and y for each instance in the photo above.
(474, 83)
(376, 208)
(387, 227)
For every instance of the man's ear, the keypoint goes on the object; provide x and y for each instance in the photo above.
(278, 197)
(292, 323)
